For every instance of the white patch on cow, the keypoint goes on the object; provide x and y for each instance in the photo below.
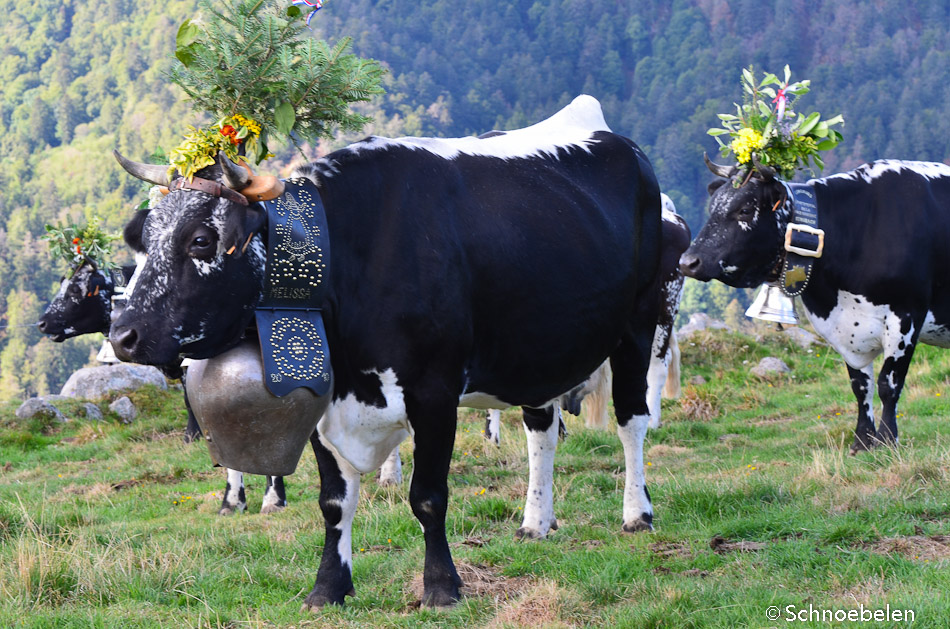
(494, 426)
(347, 503)
(635, 501)
(232, 497)
(70, 330)
(363, 434)
(481, 401)
(870, 172)
(860, 330)
(539, 504)
(272, 499)
(728, 270)
(866, 396)
(932, 333)
(391, 471)
(573, 126)
(656, 378)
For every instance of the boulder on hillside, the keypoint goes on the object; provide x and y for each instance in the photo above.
(91, 383)
(770, 366)
(92, 412)
(700, 321)
(39, 407)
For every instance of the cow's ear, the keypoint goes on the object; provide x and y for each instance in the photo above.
(133, 231)
(714, 185)
(243, 223)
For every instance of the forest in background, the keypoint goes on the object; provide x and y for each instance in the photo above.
(79, 78)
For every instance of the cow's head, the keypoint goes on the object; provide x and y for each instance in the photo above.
(741, 243)
(82, 305)
(203, 274)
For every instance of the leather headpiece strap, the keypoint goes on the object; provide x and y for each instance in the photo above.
(208, 186)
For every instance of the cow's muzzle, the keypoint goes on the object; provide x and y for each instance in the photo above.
(692, 265)
(131, 345)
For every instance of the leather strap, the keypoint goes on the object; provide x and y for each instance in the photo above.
(208, 186)
(804, 241)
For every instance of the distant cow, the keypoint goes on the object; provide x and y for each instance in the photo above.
(476, 272)
(83, 305)
(878, 285)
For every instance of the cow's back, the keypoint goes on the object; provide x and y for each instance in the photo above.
(887, 226)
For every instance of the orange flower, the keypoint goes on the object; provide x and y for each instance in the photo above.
(75, 241)
(228, 130)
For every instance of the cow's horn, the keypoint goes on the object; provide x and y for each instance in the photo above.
(236, 176)
(767, 172)
(240, 177)
(152, 173)
(718, 170)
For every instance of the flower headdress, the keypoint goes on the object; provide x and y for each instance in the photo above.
(79, 243)
(766, 129)
(252, 66)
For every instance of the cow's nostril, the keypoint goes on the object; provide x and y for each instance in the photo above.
(125, 338)
(689, 262)
(42, 325)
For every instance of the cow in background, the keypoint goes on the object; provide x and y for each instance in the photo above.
(877, 282)
(83, 305)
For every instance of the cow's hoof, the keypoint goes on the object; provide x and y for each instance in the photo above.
(189, 438)
(641, 524)
(317, 600)
(526, 532)
(272, 508)
(443, 598)
(861, 445)
(388, 481)
(230, 510)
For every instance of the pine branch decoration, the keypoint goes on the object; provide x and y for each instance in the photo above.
(254, 61)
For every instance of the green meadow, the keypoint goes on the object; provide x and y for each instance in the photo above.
(757, 506)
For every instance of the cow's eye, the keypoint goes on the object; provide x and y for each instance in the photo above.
(746, 211)
(73, 289)
(201, 246)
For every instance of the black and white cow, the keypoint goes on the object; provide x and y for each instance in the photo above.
(663, 378)
(477, 272)
(878, 286)
(83, 305)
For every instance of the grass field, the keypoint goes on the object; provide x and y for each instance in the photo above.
(757, 505)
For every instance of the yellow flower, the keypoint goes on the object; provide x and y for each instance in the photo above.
(748, 140)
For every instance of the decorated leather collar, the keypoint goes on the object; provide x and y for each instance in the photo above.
(804, 240)
(289, 319)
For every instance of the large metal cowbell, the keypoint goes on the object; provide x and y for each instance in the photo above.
(289, 319)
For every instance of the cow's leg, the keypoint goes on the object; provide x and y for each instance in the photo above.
(493, 426)
(542, 432)
(275, 498)
(862, 383)
(898, 352)
(656, 378)
(234, 500)
(192, 429)
(391, 471)
(630, 363)
(434, 436)
(339, 492)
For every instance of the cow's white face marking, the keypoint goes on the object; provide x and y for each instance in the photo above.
(363, 434)
(860, 330)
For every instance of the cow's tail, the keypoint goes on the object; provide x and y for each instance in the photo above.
(671, 388)
(594, 406)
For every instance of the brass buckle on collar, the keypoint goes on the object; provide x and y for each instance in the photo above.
(808, 253)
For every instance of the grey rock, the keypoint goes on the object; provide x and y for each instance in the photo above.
(769, 366)
(92, 383)
(700, 321)
(802, 337)
(124, 408)
(697, 381)
(92, 412)
(39, 407)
